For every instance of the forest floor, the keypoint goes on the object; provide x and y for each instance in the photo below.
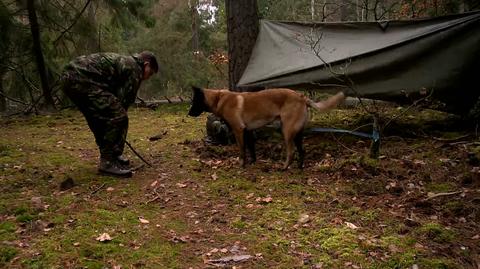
(417, 206)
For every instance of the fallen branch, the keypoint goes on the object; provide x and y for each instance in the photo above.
(152, 200)
(157, 196)
(466, 143)
(435, 195)
(451, 140)
(227, 260)
(446, 140)
(97, 189)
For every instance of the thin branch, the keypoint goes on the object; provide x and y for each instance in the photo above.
(97, 189)
(341, 77)
(341, 144)
(414, 104)
(30, 84)
(13, 99)
(74, 22)
(386, 11)
(47, 18)
(157, 196)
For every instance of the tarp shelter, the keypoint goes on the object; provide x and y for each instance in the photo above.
(386, 60)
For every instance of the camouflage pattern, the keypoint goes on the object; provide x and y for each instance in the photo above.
(218, 131)
(103, 86)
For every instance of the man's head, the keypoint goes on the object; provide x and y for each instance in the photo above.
(150, 64)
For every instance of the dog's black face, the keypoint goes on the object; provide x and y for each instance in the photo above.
(198, 103)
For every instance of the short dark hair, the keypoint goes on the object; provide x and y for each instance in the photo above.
(148, 56)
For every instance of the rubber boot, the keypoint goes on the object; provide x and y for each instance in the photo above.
(123, 160)
(113, 168)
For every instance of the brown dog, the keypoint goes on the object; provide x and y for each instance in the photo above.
(247, 111)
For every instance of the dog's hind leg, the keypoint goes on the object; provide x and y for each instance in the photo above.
(301, 152)
(288, 136)
(292, 128)
(249, 140)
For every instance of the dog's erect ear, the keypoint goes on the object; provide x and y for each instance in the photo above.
(196, 89)
(198, 102)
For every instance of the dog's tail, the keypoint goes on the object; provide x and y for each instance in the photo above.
(326, 105)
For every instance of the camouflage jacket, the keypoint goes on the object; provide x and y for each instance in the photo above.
(121, 75)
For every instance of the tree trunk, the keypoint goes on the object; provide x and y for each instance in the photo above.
(357, 9)
(366, 9)
(343, 10)
(91, 40)
(37, 50)
(242, 27)
(195, 36)
(3, 100)
(325, 11)
(312, 9)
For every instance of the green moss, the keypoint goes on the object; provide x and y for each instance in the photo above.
(239, 224)
(59, 159)
(7, 231)
(25, 218)
(441, 263)
(369, 215)
(454, 207)
(7, 254)
(175, 225)
(268, 228)
(400, 260)
(436, 232)
(4, 150)
(87, 263)
(440, 187)
(7, 226)
(34, 263)
(341, 241)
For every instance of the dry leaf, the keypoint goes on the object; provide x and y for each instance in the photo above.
(304, 218)
(144, 221)
(351, 225)
(104, 237)
(264, 200)
(419, 162)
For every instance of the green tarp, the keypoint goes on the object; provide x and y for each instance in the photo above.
(391, 60)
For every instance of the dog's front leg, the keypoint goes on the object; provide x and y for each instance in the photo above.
(238, 132)
(250, 144)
